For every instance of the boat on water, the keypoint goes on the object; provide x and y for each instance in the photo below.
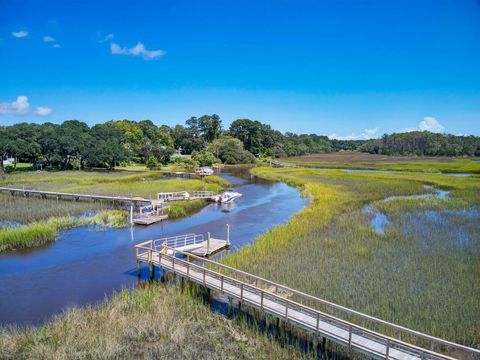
(228, 197)
(204, 171)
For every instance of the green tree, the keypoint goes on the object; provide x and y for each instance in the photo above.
(204, 158)
(230, 151)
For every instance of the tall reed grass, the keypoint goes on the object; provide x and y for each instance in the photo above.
(150, 323)
(330, 250)
(45, 231)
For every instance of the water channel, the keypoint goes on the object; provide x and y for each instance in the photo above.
(86, 264)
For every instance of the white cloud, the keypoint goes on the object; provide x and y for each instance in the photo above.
(17, 107)
(137, 50)
(56, 46)
(42, 111)
(20, 34)
(107, 37)
(428, 123)
(364, 135)
(431, 124)
(21, 106)
(48, 39)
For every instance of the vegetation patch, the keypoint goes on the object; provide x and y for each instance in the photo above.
(421, 273)
(154, 322)
(45, 231)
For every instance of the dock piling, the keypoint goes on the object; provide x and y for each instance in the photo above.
(208, 243)
(228, 234)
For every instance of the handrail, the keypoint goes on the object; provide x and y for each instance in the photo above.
(75, 195)
(339, 307)
(179, 240)
(303, 307)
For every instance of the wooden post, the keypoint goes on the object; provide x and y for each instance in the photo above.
(324, 347)
(152, 271)
(315, 346)
(139, 272)
(228, 234)
(230, 307)
(131, 215)
(208, 243)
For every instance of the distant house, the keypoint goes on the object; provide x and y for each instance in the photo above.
(8, 161)
(178, 154)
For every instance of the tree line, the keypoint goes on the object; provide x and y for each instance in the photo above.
(74, 144)
(423, 143)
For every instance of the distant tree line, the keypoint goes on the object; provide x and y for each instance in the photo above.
(423, 143)
(73, 144)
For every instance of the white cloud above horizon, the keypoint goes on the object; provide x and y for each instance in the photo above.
(21, 107)
(364, 135)
(429, 123)
(20, 34)
(137, 50)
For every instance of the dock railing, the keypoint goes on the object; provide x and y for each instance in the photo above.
(203, 194)
(174, 241)
(391, 336)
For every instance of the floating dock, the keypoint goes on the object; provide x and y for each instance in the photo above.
(195, 244)
(151, 213)
(149, 220)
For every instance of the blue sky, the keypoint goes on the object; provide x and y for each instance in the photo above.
(354, 69)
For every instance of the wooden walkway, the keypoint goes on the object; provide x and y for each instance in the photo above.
(275, 299)
(181, 174)
(186, 195)
(73, 196)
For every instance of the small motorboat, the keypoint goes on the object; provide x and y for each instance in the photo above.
(228, 197)
(204, 171)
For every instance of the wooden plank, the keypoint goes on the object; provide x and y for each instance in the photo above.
(205, 250)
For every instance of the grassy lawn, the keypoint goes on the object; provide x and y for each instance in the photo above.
(416, 274)
(354, 160)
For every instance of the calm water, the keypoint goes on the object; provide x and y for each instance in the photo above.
(86, 264)
(379, 221)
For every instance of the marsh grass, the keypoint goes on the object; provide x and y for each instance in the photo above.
(154, 322)
(183, 208)
(143, 184)
(26, 210)
(330, 250)
(45, 231)
(43, 218)
(362, 161)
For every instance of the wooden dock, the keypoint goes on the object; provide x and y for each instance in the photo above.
(149, 220)
(375, 339)
(209, 247)
(195, 244)
(181, 175)
(74, 196)
(186, 195)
